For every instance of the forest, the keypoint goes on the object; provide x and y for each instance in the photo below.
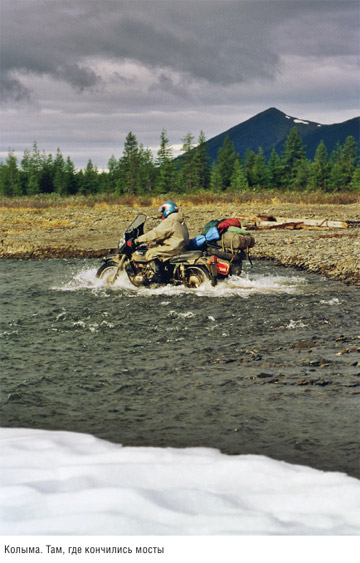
(138, 172)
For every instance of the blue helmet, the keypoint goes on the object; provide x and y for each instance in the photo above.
(167, 208)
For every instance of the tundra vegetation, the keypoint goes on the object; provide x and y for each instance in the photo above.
(138, 176)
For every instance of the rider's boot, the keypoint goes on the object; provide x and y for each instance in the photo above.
(156, 267)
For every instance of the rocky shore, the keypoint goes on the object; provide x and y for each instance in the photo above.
(63, 232)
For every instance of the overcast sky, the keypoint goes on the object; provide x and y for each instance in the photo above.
(81, 74)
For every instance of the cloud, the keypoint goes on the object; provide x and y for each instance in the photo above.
(12, 89)
(220, 42)
(75, 69)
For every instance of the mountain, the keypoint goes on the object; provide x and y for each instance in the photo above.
(271, 127)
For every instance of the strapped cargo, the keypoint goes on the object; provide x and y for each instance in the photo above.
(233, 241)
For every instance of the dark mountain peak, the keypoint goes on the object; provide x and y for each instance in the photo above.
(270, 128)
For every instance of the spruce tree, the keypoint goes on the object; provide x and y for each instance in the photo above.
(59, 174)
(250, 159)
(355, 182)
(10, 184)
(114, 184)
(70, 181)
(90, 180)
(47, 174)
(225, 161)
(293, 156)
(301, 179)
(336, 179)
(147, 171)
(275, 170)
(320, 169)
(188, 175)
(201, 163)
(130, 166)
(166, 178)
(348, 160)
(238, 181)
(31, 164)
(216, 181)
(261, 174)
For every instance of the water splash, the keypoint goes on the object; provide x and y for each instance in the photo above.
(241, 286)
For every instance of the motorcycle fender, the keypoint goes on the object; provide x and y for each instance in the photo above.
(110, 258)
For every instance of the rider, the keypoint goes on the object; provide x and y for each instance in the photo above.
(170, 237)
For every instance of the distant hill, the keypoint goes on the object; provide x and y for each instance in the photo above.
(270, 128)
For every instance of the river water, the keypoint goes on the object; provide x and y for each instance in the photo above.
(267, 363)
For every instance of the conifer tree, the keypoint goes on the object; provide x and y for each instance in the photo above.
(188, 176)
(114, 175)
(147, 171)
(301, 179)
(293, 156)
(130, 166)
(320, 169)
(59, 174)
(46, 184)
(166, 180)
(216, 182)
(70, 182)
(225, 161)
(31, 164)
(250, 159)
(10, 184)
(261, 174)
(355, 182)
(336, 179)
(349, 159)
(89, 179)
(238, 181)
(201, 163)
(275, 170)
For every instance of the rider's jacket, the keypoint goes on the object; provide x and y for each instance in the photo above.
(169, 238)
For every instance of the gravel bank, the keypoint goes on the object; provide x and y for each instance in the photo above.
(94, 231)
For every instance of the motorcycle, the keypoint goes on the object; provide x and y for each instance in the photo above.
(190, 268)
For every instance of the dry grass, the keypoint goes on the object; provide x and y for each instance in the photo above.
(104, 201)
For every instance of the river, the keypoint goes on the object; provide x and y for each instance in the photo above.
(267, 363)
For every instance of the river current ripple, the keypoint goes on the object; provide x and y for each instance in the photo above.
(267, 363)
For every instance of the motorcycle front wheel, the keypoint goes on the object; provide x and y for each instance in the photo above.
(195, 276)
(108, 272)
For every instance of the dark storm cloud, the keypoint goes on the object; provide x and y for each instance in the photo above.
(220, 42)
(12, 89)
(80, 74)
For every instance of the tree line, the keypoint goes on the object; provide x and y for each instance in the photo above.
(138, 172)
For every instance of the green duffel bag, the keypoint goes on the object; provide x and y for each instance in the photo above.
(233, 242)
(209, 225)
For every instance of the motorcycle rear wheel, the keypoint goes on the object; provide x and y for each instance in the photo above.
(108, 272)
(195, 276)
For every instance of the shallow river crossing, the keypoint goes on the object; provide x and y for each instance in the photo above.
(267, 363)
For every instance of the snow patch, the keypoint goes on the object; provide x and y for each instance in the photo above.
(65, 483)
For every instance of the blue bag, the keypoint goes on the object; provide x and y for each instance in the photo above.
(200, 240)
(197, 242)
(212, 234)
